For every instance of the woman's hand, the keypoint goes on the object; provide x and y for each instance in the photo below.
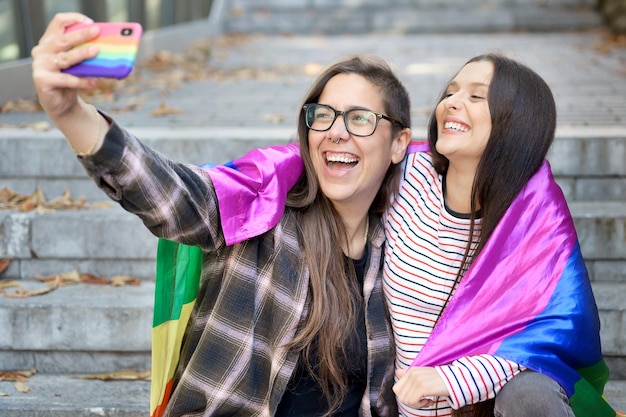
(58, 91)
(417, 387)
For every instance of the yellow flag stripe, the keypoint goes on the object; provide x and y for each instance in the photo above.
(166, 343)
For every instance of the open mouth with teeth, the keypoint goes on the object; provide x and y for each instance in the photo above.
(340, 160)
(457, 127)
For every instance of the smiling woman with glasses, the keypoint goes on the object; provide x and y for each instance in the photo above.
(359, 121)
(311, 334)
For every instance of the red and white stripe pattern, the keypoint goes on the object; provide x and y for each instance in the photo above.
(425, 246)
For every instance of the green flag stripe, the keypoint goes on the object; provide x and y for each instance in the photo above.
(587, 399)
(177, 278)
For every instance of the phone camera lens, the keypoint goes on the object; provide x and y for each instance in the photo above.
(127, 31)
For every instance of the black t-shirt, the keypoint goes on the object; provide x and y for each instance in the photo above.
(304, 396)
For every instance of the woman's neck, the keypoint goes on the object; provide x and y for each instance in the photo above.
(458, 195)
(357, 229)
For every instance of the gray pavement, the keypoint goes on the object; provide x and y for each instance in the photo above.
(258, 81)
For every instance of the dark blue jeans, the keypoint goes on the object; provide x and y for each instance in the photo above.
(531, 394)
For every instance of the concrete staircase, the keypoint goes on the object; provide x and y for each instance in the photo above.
(92, 329)
(406, 16)
(80, 329)
(86, 329)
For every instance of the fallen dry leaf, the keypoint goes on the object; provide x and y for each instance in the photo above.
(87, 278)
(275, 118)
(22, 293)
(60, 280)
(123, 280)
(4, 264)
(9, 283)
(21, 105)
(11, 200)
(118, 376)
(164, 110)
(17, 376)
(21, 387)
(66, 202)
(39, 126)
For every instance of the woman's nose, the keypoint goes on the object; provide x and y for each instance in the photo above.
(452, 102)
(338, 129)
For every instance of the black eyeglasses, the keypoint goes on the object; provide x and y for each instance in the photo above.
(359, 122)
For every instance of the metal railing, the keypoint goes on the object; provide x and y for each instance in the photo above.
(22, 22)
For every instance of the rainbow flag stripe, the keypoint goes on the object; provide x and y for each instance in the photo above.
(177, 282)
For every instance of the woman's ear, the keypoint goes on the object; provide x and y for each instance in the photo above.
(400, 144)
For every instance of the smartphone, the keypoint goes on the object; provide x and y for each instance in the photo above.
(118, 43)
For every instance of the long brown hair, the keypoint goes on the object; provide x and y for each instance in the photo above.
(331, 317)
(523, 122)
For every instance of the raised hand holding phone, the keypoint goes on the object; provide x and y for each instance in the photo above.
(118, 45)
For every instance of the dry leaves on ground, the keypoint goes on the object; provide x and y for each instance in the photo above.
(17, 376)
(22, 387)
(609, 42)
(52, 282)
(4, 264)
(8, 283)
(41, 126)
(21, 105)
(11, 200)
(164, 110)
(118, 376)
(166, 71)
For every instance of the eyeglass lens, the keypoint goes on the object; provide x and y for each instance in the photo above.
(358, 122)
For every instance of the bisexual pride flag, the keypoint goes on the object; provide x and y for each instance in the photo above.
(527, 298)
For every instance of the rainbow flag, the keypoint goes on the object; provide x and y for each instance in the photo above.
(177, 282)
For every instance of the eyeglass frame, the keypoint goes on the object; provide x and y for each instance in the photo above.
(338, 113)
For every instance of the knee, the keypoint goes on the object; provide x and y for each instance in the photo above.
(531, 394)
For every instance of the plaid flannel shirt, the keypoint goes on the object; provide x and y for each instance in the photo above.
(252, 295)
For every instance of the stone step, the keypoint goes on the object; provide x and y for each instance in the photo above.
(101, 241)
(587, 163)
(62, 396)
(396, 16)
(78, 328)
(94, 328)
(110, 241)
(43, 159)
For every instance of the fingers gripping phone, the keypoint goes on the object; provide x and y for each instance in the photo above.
(118, 44)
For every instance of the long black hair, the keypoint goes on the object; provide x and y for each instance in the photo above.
(523, 123)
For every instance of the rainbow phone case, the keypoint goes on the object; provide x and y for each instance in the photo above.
(118, 43)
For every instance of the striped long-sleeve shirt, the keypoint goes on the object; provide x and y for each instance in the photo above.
(425, 245)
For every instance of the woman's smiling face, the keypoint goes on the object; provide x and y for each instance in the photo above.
(463, 116)
(351, 169)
